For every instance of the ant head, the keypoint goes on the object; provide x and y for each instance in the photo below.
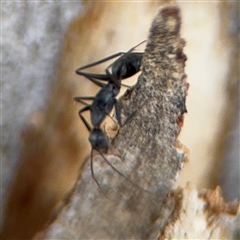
(99, 140)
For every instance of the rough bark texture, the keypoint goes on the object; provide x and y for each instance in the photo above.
(146, 150)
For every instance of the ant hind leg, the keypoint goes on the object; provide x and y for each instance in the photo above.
(100, 61)
(80, 99)
(93, 78)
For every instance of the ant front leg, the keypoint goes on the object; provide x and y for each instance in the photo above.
(118, 114)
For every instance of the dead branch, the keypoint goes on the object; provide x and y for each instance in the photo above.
(146, 151)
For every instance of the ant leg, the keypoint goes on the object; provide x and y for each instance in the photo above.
(80, 99)
(103, 77)
(130, 50)
(86, 108)
(118, 112)
(121, 174)
(100, 61)
(91, 77)
(125, 85)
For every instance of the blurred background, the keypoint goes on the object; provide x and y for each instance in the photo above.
(43, 141)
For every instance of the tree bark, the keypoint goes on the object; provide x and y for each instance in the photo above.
(142, 204)
(146, 149)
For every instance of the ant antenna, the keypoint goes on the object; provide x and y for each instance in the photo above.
(121, 174)
(94, 178)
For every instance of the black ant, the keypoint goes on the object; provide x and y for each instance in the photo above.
(125, 66)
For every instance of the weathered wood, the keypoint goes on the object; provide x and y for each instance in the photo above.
(146, 150)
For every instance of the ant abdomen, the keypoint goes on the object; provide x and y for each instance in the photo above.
(127, 65)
